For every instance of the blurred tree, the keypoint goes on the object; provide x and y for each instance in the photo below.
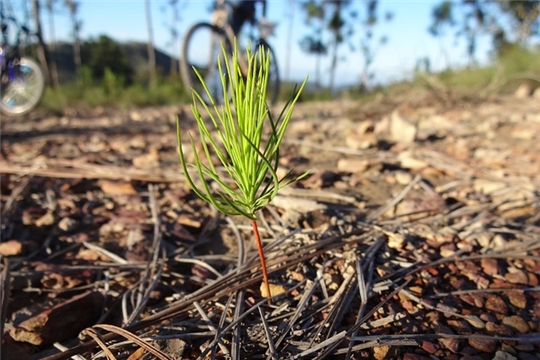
(313, 43)
(174, 9)
(76, 23)
(290, 14)
(49, 5)
(42, 51)
(369, 43)
(472, 18)
(340, 29)
(151, 51)
(525, 18)
(105, 53)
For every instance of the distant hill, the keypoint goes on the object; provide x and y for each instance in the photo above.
(136, 53)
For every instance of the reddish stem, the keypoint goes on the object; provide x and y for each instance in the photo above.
(261, 257)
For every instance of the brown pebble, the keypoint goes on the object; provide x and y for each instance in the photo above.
(460, 325)
(488, 317)
(450, 344)
(533, 279)
(478, 300)
(430, 347)
(11, 248)
(484, 345)
(496, 303)
(517, 277)
(517, 323)
(489, 266)
(500, 330)
(517, 298)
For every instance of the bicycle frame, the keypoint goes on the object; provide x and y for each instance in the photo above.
(220, 19)
(10, 55)
(22, 83)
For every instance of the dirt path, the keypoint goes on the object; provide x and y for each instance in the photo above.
(416, 236)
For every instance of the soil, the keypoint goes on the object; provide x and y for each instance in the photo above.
(415, 235)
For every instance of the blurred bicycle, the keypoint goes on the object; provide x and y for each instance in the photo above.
(203, 41)
(22, 82)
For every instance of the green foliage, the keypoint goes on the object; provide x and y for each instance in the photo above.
(249, 159)
(113, 93)
(112, 84)
(105, 53)
(505, 21)
(515, 59)
(513, 66)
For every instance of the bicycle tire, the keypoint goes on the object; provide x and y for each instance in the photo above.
(200, 38)
(23, 94)
(274, 82)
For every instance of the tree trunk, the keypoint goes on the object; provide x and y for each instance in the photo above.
(42, 53)
(151, 52)
(335, 45)
(54, 69)
(289, 41)
(175, 66)
(73, 7)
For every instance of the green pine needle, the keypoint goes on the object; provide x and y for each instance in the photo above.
(250, 161)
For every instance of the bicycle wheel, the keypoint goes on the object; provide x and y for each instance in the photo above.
(21, 91)
(201, 49)
(272, 92)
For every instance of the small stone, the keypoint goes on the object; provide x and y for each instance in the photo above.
(117, 188)
(409, 161)
(475, 321)
(479, 300)
(498, 242)
(396, 240)
(489, 266)
(11, 248)
(496, 303)
(448, 250)
(352, 165)
(524, 90)
(516, 322)
(488, 317)
(274, 290)
(175, 348)
(517, 277)
(536, 93)
(403, 129)
(46, 220)
(500, 330)
(501, 355)
(450, 344)
(533, 279)
(147, 161)
(517, 298)
(403, 177)
(360, 141)
(60, 322)
(67, 224)
(430, 347)
(484, 345)
(461, 326)
(380, 352)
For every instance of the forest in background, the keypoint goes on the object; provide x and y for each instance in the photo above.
(102, 71)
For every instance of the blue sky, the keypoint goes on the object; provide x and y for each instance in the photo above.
(408, 39)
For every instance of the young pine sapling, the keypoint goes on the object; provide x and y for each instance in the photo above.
(249, 158)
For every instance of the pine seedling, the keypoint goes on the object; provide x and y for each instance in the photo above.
(234, 135)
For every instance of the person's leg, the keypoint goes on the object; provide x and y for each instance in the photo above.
(244, 11)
